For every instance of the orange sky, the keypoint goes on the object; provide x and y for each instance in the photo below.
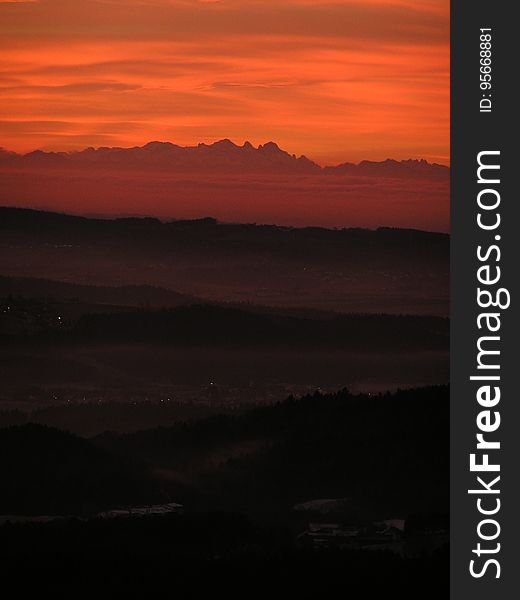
(335, 80)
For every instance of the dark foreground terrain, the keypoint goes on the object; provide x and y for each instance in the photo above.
(304, 498)
(170, 416)
(191, 558)
(399, 271)
(123, 324)
(384, 455)
(46, 345)
(89, 359)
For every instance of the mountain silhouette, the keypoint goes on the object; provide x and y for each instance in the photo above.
(392, 168)
(222, 157)
(234, 183)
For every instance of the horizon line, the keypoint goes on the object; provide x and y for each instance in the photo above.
(165, 220)
(246, 144)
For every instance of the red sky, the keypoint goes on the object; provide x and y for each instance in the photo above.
(335, 80)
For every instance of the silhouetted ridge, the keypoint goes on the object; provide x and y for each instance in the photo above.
(209, 324)
(48, 471)
(399, 270)
(222, 157)
(384, 453)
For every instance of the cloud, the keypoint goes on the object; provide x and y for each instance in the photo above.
(388, 21)
(334, 80)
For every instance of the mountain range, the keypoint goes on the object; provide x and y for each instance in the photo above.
(240, 184)
(223, 157)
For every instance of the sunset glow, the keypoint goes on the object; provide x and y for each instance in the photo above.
(334, 80)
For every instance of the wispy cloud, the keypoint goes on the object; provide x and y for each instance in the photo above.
(335, 80)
